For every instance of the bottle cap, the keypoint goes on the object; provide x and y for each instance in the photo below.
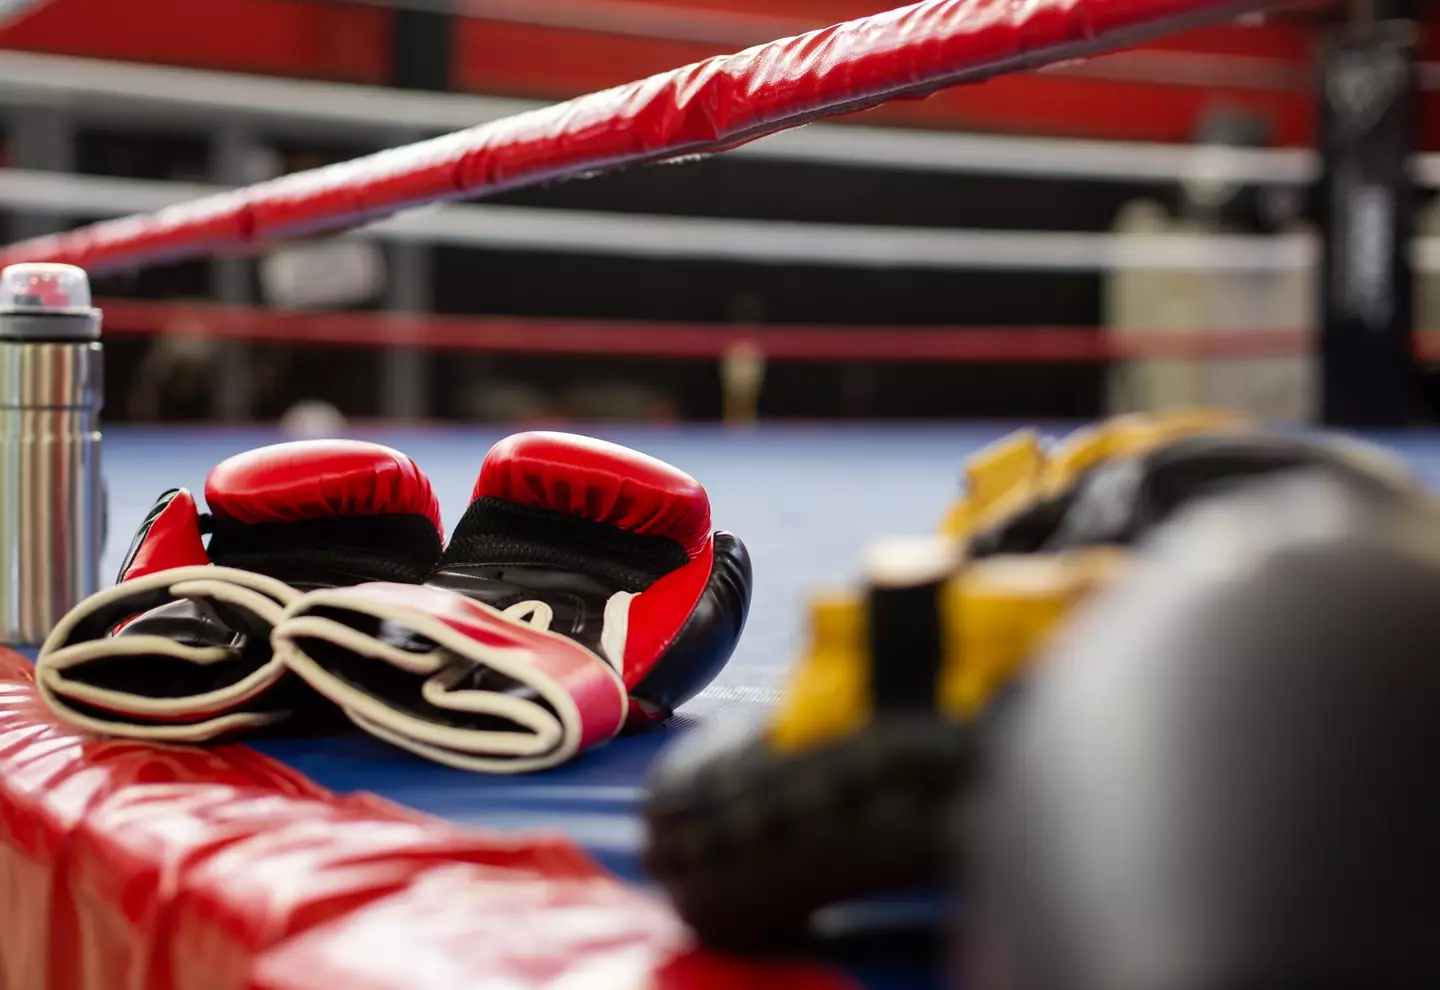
(45, 288)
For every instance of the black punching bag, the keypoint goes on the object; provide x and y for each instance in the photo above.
(1226, 776)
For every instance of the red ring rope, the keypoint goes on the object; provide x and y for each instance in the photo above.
(709, 106)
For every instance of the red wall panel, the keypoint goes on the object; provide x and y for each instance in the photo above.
(1098, 108)
(282, 37)
(519, 59)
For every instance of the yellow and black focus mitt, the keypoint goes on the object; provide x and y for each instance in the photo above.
(842, 793)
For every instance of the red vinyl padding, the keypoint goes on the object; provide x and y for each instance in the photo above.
(483, 928)
(711, 105)
(128, 866)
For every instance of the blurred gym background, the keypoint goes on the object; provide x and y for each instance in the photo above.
(1142, 230)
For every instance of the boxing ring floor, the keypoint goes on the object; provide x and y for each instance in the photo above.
(806, 499)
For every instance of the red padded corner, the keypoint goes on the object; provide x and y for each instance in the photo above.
(597, 480)
(181, 886)
(307, 479)
(460, 927)
(173, 539)
(134, 866)
(14, 667)
(53, 779)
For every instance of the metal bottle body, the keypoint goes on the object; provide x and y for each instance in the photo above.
(51, 490)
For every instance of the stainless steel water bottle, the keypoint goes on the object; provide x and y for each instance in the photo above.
(51, 495)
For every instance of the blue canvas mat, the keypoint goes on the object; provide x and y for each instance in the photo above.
(806, 500)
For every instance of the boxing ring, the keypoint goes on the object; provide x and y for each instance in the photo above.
(298, 863)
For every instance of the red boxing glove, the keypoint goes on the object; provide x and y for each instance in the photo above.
(604, 546)
(179, 649)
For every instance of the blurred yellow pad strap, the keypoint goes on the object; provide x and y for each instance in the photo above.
(1000, 611)
(1011, 462)
(829, 693)
(1013, 473)
(1132, 435)
(995, 612)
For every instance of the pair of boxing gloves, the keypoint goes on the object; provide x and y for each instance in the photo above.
(583, 590)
